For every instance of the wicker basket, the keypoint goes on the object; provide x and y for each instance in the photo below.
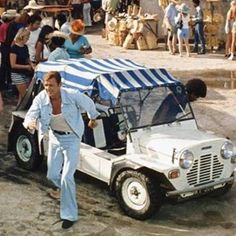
(113, 38)
(122, 25)
(135, 10)
(141, 43)
(129, 10)
(151, 40)
(2, 9)
(122, 37)
(211, 28)
(128, 41)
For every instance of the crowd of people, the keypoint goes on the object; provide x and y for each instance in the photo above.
(25, 42)
(178, 20)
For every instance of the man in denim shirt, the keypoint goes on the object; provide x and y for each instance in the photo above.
(58, 110)
(198, 34)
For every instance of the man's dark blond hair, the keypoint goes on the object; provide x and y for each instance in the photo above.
(53, 75)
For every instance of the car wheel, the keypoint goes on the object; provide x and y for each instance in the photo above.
(137, 194)
(26, 150)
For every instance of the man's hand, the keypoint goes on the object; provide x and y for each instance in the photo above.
(92, 124)
(32, 125)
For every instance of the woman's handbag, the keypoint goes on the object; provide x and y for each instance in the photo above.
(179, 24)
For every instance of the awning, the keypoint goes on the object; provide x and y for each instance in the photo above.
(107, 77)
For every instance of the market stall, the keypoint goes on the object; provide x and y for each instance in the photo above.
(213, 21)
(133, 30)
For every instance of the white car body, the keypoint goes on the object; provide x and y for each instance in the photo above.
(139, 156)
(153, 148)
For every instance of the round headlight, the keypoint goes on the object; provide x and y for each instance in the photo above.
(186, 159)
(227, 150)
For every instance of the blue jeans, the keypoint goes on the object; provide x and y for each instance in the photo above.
(199, 36)
(63, 153)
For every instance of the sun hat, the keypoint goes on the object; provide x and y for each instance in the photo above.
(58, 34)
(112, 24)
(98, 16)
(9, 14)
(33, 5)
(183, 8)
(77, 27)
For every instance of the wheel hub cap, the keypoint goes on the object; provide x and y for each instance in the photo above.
(23, 148)
(134, 194)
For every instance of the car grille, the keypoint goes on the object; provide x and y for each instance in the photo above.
(205, 170)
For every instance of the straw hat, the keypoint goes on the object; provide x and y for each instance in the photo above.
(33, 5)
(9, 14)
(150, 17)
(58, 34)
(77, 27)
(183, 8)
(112, 24)
(97, 17)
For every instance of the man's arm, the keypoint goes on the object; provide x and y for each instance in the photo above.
(30, 121)
(87, 104)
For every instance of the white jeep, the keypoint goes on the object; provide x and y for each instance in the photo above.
(141, 160)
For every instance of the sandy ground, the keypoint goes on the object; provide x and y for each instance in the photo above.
(25, 208)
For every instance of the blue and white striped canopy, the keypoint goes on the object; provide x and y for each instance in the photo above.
(108, 77)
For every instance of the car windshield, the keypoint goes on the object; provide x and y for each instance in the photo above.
(155, 106)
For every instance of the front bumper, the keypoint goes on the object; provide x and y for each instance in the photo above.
(200, 189)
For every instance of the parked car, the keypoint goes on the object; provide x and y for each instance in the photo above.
(140, 160)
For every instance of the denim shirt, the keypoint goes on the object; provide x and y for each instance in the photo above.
(73, 102)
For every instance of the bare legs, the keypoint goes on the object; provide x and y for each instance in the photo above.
(22, 90)
(232, 46)
(181, 41)
(228, 44)
(171, 42)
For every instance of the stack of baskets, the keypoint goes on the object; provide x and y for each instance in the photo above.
(212, 25)
(133, 30)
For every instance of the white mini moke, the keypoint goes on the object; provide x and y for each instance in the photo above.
(142, 159)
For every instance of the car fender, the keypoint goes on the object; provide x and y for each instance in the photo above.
(138, 162)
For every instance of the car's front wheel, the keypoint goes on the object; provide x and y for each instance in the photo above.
(26, 149)
(137, 194)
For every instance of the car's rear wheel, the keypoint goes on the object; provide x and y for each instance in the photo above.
(26, 149)
(137, 194)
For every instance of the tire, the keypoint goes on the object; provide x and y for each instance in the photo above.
(137, 194)
(26, 150)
